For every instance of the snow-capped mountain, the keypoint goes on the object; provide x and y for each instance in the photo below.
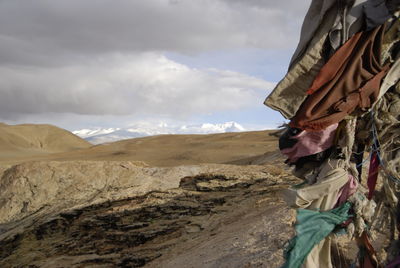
(85, 133)
(103, 135)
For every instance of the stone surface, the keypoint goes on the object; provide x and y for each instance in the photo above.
(124, 214)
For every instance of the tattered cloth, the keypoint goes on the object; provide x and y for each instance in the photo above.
(349, 80)
(309, 143)
(311, 228)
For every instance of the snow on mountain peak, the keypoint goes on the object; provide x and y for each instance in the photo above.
(98, 135)
(216, 128)
(86, 133)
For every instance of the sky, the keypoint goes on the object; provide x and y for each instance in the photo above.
(100, 63)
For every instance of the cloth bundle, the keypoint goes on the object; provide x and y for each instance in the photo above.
(343, 81)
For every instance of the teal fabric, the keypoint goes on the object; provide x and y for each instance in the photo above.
(311, 228)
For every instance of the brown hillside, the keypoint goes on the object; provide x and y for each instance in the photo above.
(255, 147)
(29, 140)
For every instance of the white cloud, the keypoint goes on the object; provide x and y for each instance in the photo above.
(147, 84)
(96, 60)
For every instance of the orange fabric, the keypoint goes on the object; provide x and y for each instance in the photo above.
(349, 80)
(327, 72)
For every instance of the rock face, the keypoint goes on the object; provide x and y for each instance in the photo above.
(124, 214)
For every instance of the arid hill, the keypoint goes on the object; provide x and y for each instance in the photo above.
(163, 201)
(28, 141)
(170, 150)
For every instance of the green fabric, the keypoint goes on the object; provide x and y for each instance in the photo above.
(311, 228)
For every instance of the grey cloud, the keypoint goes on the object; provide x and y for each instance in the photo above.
(60, 32)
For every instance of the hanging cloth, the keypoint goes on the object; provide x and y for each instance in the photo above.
(311, 228)
(349, 80)
(310, 142)
(307, 61)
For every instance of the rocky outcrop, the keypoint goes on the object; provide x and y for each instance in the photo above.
(124, 214)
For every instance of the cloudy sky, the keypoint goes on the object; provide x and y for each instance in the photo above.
(103, 63)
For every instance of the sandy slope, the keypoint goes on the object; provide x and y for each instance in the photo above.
(172, 150)
(29, 140)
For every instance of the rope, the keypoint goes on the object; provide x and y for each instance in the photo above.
(363, 162)
(375, 148)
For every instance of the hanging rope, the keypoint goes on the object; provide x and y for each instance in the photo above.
(375, 148)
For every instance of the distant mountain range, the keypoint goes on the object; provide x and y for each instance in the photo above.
(104, 135)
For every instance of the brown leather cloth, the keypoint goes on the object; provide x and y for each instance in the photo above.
(350, 79)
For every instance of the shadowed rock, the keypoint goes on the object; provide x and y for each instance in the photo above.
(121, 214)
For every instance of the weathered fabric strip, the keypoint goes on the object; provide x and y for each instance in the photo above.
(321, 195)
(317, 13)
(311, 228)
(347, 190)
(289, 93)
(310, 142)
(346, 28)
